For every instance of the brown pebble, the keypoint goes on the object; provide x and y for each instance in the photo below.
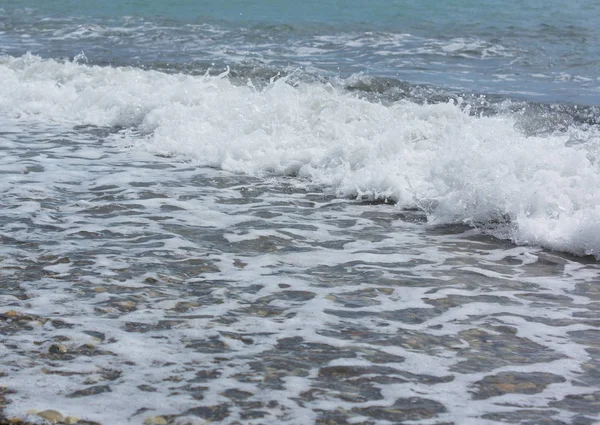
(524, 386)
(506, 387)
(51, 415)
(126, 305)
(386, 291)
(156, 420)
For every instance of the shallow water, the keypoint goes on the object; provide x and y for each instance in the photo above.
(257, 214)
(154, 287)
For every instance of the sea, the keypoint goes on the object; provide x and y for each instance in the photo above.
(318, 212)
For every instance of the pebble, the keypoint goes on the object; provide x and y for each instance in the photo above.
(156, 420)
(125, 306)
(57, 349)
(239, 263)
(51, 415)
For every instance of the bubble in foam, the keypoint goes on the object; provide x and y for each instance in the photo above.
(457, 167)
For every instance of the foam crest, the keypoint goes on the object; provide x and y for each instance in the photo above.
(457, 167)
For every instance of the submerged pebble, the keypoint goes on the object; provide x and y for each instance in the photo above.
(155, 420)
(138, 287)
(51, 415)
(57, 349)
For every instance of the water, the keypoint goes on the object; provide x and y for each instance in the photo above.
(368, 212)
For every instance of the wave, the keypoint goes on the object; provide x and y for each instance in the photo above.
(521, 171)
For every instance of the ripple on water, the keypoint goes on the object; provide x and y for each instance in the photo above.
(138, 288)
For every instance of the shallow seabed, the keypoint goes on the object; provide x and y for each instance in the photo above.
(138, 288)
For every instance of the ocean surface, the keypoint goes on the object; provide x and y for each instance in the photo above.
(318, 212)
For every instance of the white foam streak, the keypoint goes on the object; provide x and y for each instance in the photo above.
(456, 167)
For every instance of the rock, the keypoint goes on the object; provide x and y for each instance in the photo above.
(57, 349)
(514, 382)
(506, 387)
(51, 415)
(386, 291)
(63, 260)
(210, 413)
(156, 420)
(239, 263)
(61, 324)
(98, 389)
(404, 409)
(125, 306)
(184, 306)
(236, 394)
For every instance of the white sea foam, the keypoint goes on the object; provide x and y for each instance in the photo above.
(457, 167)
(138, 324)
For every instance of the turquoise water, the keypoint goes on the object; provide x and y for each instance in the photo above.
(376, 15)
(536, 50)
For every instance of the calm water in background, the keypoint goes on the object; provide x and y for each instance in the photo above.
(326, 212)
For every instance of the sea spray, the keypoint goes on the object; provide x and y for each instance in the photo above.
(457, 166)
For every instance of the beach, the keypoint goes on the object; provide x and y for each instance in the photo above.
(259, 214)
